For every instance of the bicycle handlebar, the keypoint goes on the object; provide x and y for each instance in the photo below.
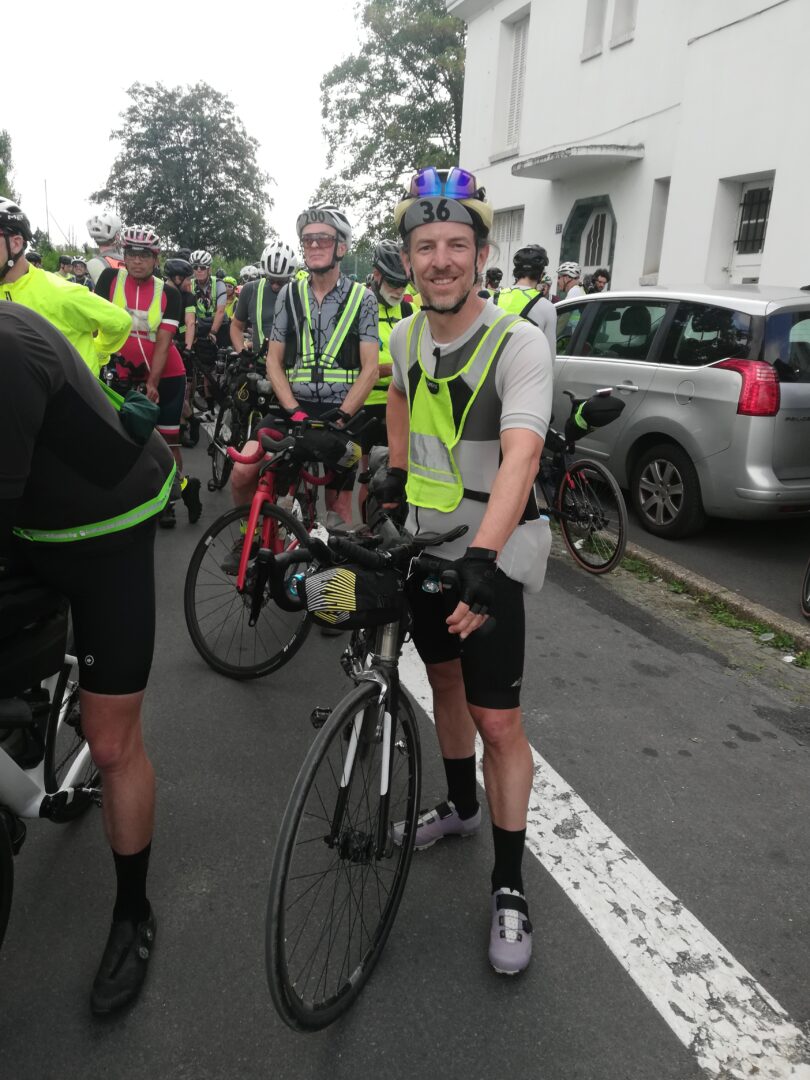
(397, 556)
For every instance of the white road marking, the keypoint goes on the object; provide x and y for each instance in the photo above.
(732, 1025)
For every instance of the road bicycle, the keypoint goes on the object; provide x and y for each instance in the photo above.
(246, 397)
(46, 770)
(804, 598)
(582, 494)
(242, 620)
(338, 871)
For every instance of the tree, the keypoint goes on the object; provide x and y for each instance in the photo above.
(188, 167)
(394, 105)
(6, 165)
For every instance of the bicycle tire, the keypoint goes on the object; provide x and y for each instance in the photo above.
(6, 875)
(804, 598)
(309, 933)
(67, 756)
(217, 615)
(593, 516)
(225, 430)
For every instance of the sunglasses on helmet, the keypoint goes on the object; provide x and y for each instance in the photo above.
(455, 183)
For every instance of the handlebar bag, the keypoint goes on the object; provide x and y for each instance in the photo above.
(349, 597)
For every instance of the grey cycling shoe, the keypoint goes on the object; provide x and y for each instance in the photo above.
(435, 824)
(510, 935)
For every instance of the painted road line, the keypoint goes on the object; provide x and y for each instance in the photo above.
(732, 1025)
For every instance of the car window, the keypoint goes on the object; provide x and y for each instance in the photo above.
(703, 334)
(623, 330)
(787, 345)
(567, 321)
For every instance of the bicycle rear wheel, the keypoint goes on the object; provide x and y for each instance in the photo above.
(218, 615)
(334, 888)
(68, 766)
(804, 599)
(226, 433)
(593, 516)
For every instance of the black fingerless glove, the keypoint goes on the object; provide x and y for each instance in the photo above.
(476, 573)
(389, 487)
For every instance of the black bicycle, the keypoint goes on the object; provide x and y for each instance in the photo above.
(582, 495)
(247, 397)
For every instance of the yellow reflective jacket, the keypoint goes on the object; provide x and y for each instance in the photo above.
(74, 310)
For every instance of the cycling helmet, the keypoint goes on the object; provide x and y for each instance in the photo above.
(248, 273)
(438, 195)
(231, 281)
(546, 279)
(278, 260)
(219, 273)
(34, 257)
(201, 260)
(77, 260)
(325, 214)
(141, 236)
(494, 276)
(13, 221)
(531, 259)
(177, 268)
(569, 269)
(387, 261)
(183, 253)
(104, 227)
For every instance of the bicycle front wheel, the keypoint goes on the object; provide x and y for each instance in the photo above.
(804, 599)
(224, 431)
(218, 615)
(338, 877)
(593, 516)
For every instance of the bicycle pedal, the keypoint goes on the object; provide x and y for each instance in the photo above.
(319, 715)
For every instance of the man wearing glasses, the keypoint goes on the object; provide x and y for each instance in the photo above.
(468, 410)
(210, 297)
(157, 310)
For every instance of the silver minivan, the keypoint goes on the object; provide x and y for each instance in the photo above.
(716, 386)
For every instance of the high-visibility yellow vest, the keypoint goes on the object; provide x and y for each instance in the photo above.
(438, 411)
(325, 368)
(516, 300)
(142, 326)
(388, 318)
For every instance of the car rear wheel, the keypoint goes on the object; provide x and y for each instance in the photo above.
(665, 492)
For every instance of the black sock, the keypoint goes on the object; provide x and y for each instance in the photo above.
(461, 786)
(509, 846)
(130, 899)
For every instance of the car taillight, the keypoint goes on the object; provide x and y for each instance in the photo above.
(759, 394)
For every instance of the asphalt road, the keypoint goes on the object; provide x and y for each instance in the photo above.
(689, 742)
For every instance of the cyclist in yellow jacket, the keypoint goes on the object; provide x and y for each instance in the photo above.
(95, 327)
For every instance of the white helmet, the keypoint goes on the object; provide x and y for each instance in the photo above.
(325, 214)
(143, 236)
(278, 260)
(201, 259)
(248, 273)
(569, 269)
(104, 228)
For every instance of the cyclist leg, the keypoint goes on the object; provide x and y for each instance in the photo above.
(172, 395)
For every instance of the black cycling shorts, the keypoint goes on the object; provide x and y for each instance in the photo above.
(110, 584)
(172, 398)
(491, 662)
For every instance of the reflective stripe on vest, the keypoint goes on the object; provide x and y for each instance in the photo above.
(102, 528)
(259, 300)
(516, 300)
(389, 317)
(327, 361)
(434, 480)
(153, 315)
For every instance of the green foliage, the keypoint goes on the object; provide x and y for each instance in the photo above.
(188, 167)
(393, 106)
(6, 165)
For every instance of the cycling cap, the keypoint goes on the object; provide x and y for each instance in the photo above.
(141, 236)
(13, 221)
(438, 195)
(248, 273)
(278, 260)
(201, 259)
(531, 258)
(104, 227)
(387, 261)
(34, 257)
(569, 269)
(325, 214)
(494, 274)
(78, 260)
(178, 268)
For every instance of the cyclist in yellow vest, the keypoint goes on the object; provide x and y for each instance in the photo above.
(231, 296)
(526, 297)
(257, 299)
(388, 283)
(468, 410)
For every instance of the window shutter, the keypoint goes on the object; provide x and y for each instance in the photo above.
(520, 41)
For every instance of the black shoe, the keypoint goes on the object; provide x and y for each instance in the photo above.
(190, 433)
(123, 966)
(191, 498)
(167, 520)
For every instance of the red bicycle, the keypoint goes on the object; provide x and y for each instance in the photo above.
(241, 607)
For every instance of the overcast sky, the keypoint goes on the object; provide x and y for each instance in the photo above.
(268, 58)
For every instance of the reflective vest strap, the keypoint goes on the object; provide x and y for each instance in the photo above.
(431, 458)
(339, 334)
(155, 312)
(259, 301)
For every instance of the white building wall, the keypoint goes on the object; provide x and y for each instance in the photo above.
(713, 108)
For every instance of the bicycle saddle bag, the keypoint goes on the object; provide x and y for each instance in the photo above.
(33, 634)
(350, 597)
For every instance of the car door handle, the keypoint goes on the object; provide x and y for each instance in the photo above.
(627, 386)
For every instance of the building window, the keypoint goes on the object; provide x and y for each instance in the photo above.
(594, 239)
(624, 22)
(754, 209)
(507, 234)
(594, 28)
(520, 43)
